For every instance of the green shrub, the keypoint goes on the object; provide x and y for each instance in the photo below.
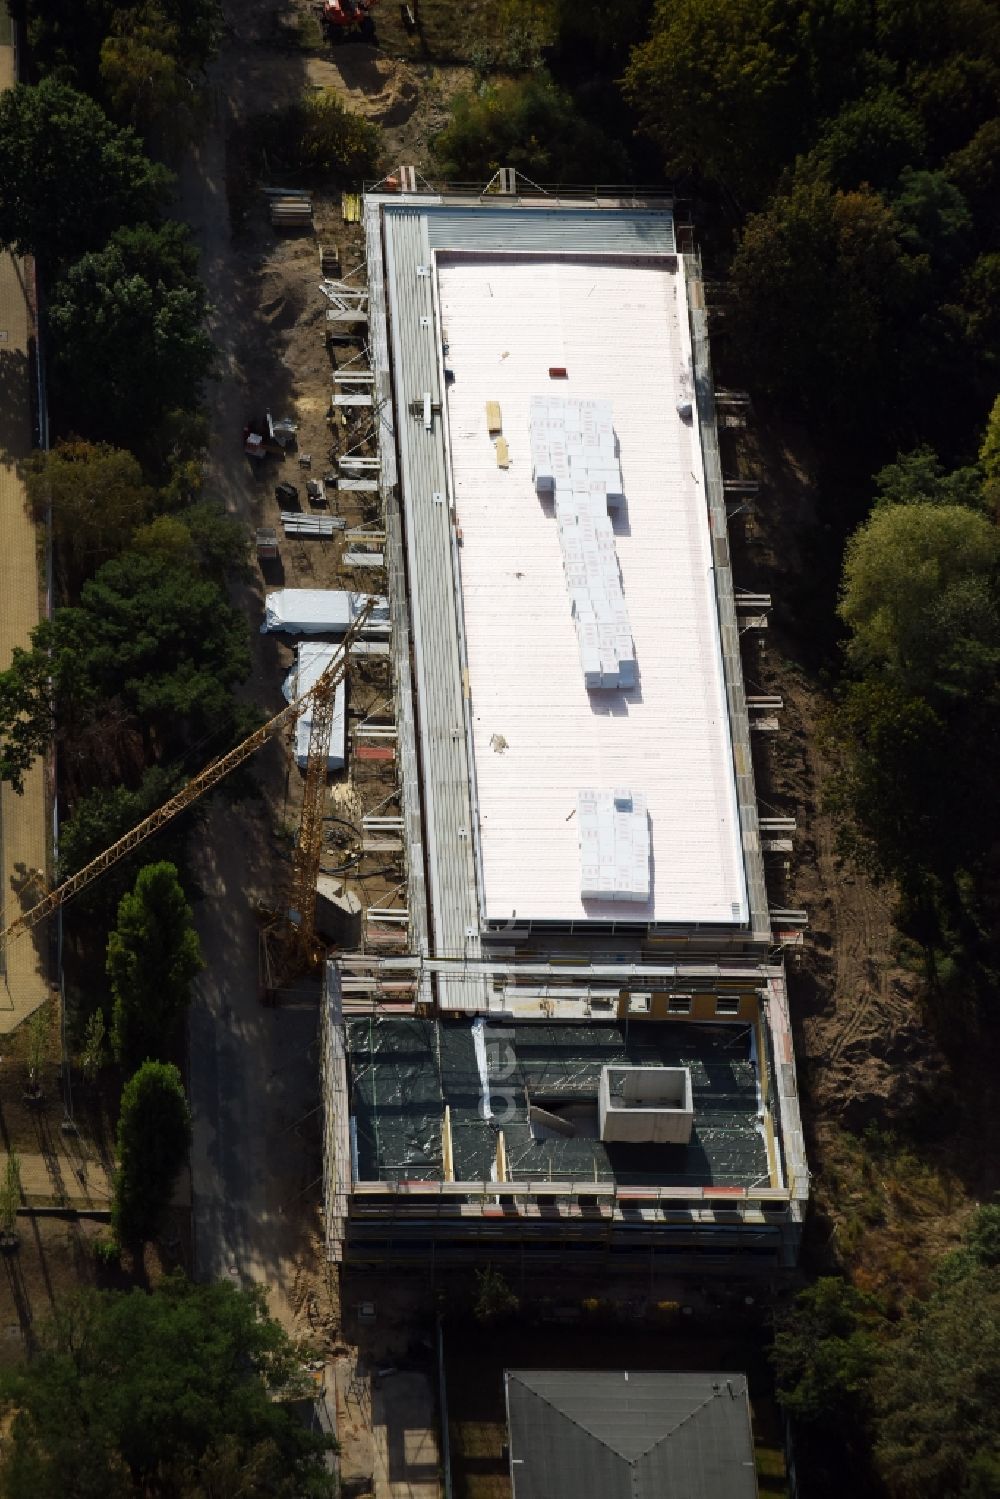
(317, 138)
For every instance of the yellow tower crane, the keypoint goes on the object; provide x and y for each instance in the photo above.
(309, 848)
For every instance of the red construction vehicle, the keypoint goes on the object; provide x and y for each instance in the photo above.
(342, 17)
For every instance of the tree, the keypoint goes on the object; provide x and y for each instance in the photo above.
(92, 1057)
(68, 177)
(934, 217)
(130, 344)
(919, 477)
(140, 670)
(99, 818)
(912, 573)
(10, 1197)
(531, 125)
(821, 286)
(165, 1392)
(153, 957)
(27, 721)
(494, 1297)
(39, 1028)
(154, 1133)
(975, 170)
(870, 141)
(893, 793)
(989, 452)
(824, 1356)
(713, 86)
(332, 140)
(97, 498)
(202, 537)
(980, 1247)
(141, 69)
(937, 1391)
(67, 36)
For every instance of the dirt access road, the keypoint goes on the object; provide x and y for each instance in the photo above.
(254, 1072)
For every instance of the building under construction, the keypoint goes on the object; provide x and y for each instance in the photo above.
(567, 1034)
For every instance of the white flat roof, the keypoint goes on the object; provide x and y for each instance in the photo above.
(619, 327)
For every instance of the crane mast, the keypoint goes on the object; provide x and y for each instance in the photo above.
(309, 847)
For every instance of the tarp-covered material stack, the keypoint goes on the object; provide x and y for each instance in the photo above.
(311, 661)
(322, 611)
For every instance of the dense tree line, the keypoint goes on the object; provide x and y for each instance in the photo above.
(133, 676)
(917, 793)
(909, 1403)
(143, 60)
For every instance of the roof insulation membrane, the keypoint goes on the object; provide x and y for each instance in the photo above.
(404, 1071)
(618, 327)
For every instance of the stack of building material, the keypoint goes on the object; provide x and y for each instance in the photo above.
(573, 442)
(297, 524)
(311, 661)
(614, 845)
(574, 460)
(290, 208)
(322, 611)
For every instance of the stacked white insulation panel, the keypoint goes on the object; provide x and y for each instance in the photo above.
(322, 611)
(614, 845)
(311, 661)
(574, 459)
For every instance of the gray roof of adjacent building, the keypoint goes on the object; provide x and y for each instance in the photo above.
(629, 1435)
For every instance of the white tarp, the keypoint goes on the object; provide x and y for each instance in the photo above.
(321, 611)
(311, 660)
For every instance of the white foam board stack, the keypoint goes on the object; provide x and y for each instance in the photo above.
(311, 660)
(574, 460)
(614, 845)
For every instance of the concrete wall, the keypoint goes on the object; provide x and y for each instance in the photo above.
(655, 1107)
(702, 1008)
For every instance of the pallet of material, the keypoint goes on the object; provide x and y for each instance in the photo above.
(503, 453)
(357, 486)
(494, 419)
(353, 377)
(369, 648)
(346, 461)
(329, 261)
(384, 752)
(351, 398)
(376, 936)
(346, 315)
(352, 208)
(364, 559)
(291, 212)
(365, 536)
(296, 524)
